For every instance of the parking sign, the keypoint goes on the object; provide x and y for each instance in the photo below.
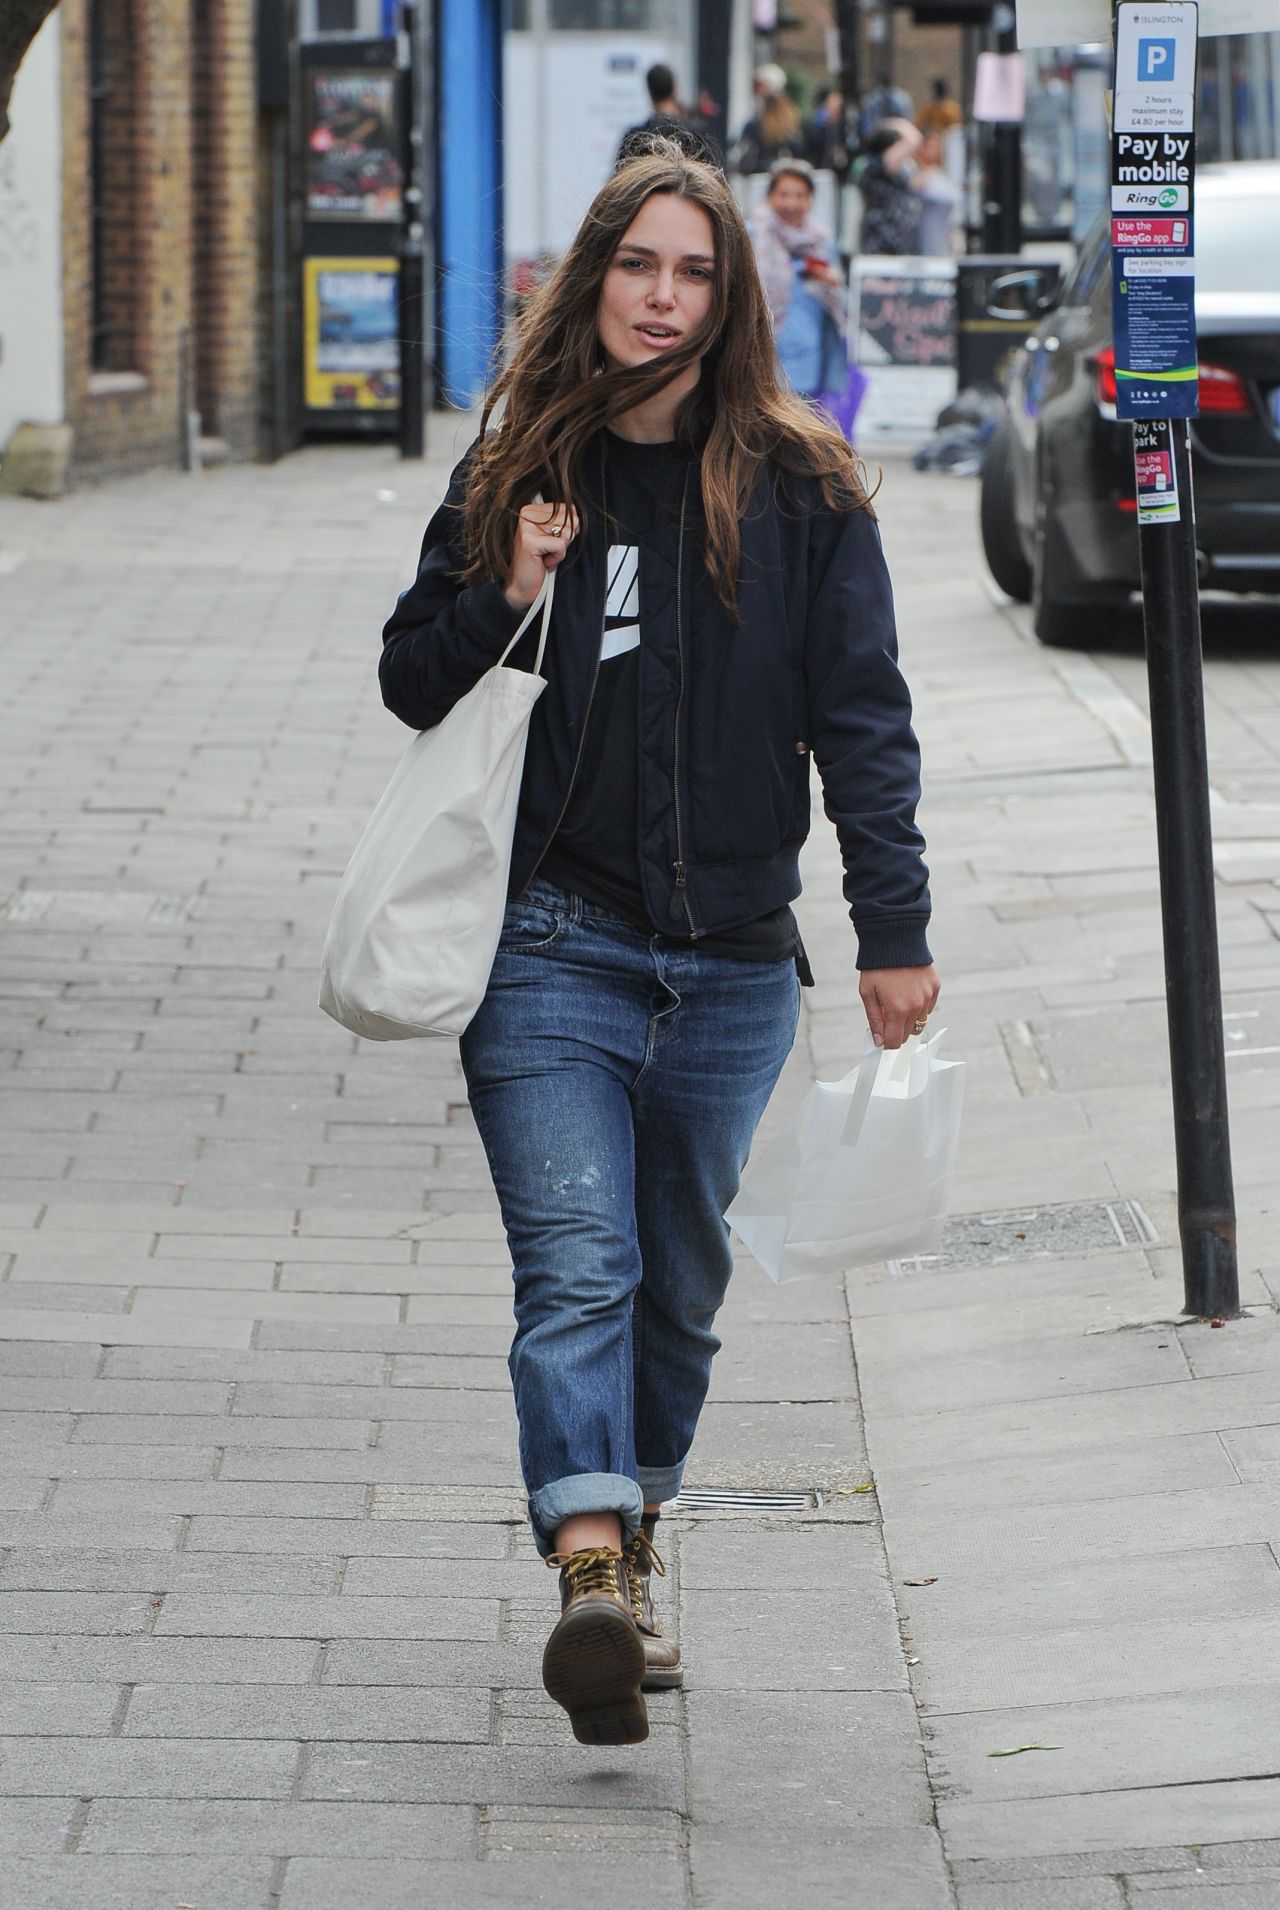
(1157, 61)
(1155, 68)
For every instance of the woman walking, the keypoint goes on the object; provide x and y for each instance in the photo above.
(891, 205)
(774, 129)
(800, 272)
(722, 613)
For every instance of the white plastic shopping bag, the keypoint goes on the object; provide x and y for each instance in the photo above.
(862, 1170)
(419, 910)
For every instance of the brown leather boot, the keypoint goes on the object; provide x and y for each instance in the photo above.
(594, 1659)
(662, 1668)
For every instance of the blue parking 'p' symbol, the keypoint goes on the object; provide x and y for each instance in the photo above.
(1156, 61)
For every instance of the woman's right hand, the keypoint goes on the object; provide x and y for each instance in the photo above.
(543, 536)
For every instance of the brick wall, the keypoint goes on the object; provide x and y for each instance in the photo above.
(920, 54)
(224, 221)
(178, 236)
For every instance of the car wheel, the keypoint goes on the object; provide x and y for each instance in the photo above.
(1062, 621)
(1001, 545)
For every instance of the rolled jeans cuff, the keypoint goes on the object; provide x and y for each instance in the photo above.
(581, 1492)
(659, 1483)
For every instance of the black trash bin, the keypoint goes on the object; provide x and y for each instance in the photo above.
(1000, 299)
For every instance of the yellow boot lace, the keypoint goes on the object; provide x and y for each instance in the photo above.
(595, 1569)
(640, 1551)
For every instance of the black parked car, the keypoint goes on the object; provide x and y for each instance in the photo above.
(1059, 526)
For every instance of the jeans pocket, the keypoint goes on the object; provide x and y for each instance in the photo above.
(528, 927)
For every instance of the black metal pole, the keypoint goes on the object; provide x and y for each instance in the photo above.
(1193, 986)
(1002, 197)
(847, 12)
(410, 277)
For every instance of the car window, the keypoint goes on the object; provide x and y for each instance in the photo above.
(1232, 249)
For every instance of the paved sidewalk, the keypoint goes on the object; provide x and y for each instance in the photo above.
(269, 1622)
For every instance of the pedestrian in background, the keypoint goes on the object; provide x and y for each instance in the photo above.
(891, 206)
(665, 116)
(669, 120)
(722, 615)
(884, 101)
(800, 271)
(826, 143)
(941, 112)
(939, 197)
(774, 129)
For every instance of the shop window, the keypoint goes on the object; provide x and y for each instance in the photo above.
(115, 214)
(336, 16)
(609, 16)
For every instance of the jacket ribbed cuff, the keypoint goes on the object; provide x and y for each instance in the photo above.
(902, 943)
(484, 610)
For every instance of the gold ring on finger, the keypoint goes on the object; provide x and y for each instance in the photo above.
(918, 1027)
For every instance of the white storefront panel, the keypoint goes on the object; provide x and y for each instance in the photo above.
(31, 362)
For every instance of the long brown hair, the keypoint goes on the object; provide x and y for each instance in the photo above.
(779, 118)
(558, 396)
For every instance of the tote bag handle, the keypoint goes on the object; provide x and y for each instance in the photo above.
(542, 602)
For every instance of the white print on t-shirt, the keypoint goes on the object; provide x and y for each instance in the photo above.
(622, 604)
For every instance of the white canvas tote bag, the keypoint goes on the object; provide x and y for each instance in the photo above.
(861, 1172)
(419, 910)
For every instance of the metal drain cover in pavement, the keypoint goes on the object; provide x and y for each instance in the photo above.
(717, 1499)
(1031, 1233)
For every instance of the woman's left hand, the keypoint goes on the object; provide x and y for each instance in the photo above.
(895, 1000)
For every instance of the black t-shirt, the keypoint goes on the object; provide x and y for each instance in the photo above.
(595, 852)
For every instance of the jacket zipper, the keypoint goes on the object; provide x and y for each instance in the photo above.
(679, 864)
(573, 776)
(577, 763)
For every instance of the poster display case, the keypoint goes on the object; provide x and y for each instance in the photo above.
(353, 166)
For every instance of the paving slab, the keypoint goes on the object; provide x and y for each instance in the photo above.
(1106, 1472)
(112, 1767)
(37, 1826)
(186, 1827)
(401, 1884)
(1196, 1813)
(235, 1615)
(1032, 1427)
(1259, 1893)
(1078, 1893)
(44, 1710)
(29, 1569)
(890, 1868)
(351, 1538)
(173, 1660)
(1134, 1743)
(136, 1883)
(228, 1431)
(1057, 1534)
(820, 1763)
(645, 1777)
(1227, 1583)
(748, 1640)
(308, 1714)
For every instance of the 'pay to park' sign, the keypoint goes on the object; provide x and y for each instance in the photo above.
(1153, 161)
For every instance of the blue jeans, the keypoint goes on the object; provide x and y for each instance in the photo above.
(616, 1078)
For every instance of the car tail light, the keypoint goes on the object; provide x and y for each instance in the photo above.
(1221, 391)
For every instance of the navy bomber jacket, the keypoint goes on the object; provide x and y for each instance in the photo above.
(729, 714)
